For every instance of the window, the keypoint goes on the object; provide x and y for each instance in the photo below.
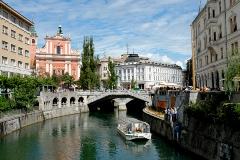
(233, 24)
(220, 7)
(5, 30)
(13, 34)
(205, 42)
(220, 31)
(209, 33)
(13, 48)
(236, 47)
(20, 51)
(232, 3)
(20, 37)
(214, 36)
(13, 19)
(5, 45)
(213, 13)
(13, 63)
(4, 60)
(209, 14)
(199, 28)
(33, 41)
(216, 57)
(20, 24)
(221, 53)
(26, 53)
(232, 48)
(5, 14)
(20, 64)
(27, 40)
(26, 66)
(58, 50)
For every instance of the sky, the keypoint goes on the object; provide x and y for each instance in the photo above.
(158, 29)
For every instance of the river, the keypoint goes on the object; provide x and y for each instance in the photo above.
(87, 136)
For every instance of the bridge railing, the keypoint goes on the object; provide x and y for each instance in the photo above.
(118, 92)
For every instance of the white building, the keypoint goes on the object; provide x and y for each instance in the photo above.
(215, 39)
(147, 74)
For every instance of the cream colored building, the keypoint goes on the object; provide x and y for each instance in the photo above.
(215, 39)
(15, 40)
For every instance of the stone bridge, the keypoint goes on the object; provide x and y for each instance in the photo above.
(81, 100)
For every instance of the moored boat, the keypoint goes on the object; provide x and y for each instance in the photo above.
(133, 129)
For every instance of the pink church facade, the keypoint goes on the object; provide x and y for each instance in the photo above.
(57, 57)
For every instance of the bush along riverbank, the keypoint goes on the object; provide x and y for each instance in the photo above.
(210, 127)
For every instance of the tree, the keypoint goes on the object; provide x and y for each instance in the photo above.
(133, 83)
(233, 70)
(89, 78)
(112, 77)
(67, 80)
(189, 73)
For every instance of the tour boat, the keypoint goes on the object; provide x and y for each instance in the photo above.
(133, 129)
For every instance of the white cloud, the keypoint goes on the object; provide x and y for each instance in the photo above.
(148, 26)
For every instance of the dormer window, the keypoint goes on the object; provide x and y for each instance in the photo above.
(58, 50)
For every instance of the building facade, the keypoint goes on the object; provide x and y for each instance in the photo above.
(15, 39)
(56, 57)
(104, 71)
(146, 73)
(215, 40)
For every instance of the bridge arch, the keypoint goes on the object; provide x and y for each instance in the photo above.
(55, 101)
(80, 99)
(64, 101)
(72, 100)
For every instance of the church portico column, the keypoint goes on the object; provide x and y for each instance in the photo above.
(51, 69)
(66, 67)
(70, 69)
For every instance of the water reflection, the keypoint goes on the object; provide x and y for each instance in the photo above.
(85, 137)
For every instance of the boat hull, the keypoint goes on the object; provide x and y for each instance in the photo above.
(134, 136)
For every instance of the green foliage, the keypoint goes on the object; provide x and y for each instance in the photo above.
(112, 77)
(133, 84)
(89, 78)
(6, 104)
(214, 109)
(67, 79)
(189, 72)
(20, 92)
(233, 70)
(230, 114)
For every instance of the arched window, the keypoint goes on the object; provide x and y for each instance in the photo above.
(33, 41)
(58, 50)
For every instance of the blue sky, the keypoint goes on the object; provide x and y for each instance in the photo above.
(159, 29)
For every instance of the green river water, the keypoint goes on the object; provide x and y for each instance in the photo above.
(89, 136)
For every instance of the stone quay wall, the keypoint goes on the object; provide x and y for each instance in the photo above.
(211, 141)
(13, 123)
